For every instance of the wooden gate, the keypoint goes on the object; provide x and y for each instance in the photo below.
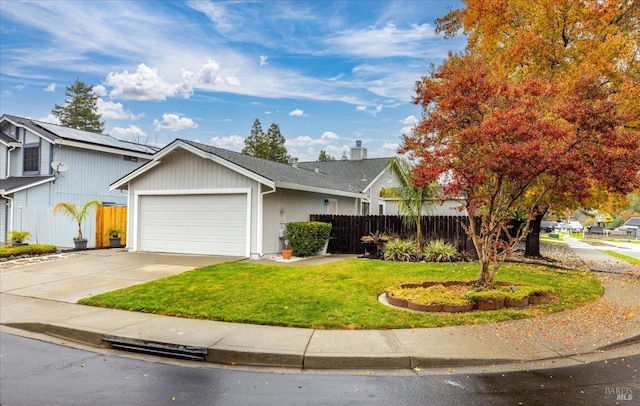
(110, 217)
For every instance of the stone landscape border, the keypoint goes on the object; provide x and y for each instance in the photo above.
(481, 305)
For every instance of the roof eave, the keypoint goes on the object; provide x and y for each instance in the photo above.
(20, 188)
(315, 189)
(100, 148)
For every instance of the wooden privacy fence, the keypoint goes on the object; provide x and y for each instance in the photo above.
(110, 217)
(346, 231)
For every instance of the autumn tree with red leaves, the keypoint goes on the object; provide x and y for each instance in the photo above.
(562, 41)
(505, 145)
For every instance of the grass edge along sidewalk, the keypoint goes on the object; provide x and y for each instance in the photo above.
(339, 295)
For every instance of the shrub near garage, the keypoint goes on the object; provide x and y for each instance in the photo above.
(307, 237)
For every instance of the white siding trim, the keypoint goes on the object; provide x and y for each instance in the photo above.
(138, 194)
(127, 178)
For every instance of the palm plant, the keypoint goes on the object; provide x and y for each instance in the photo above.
(411, 199)
(78, 214)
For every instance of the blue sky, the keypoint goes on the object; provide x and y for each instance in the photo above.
(327, 72)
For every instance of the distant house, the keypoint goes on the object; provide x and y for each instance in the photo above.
(43, 164)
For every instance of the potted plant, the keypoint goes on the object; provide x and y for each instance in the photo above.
(19, 237)
(114, 237)
(77, 214)
(286, 250)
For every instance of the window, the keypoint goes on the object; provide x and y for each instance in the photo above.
(365, 208)
(332, 206)
(31, 159)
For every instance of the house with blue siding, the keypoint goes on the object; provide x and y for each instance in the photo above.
(43, 164)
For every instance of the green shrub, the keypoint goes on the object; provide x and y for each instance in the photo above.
(401, 250)
(32, 249)
(440, 251)
(19, 236)
(307, 237)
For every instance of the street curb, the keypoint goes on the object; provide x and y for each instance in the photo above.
(230, 356)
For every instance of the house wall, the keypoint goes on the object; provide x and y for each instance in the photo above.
(3, 161)
(446, 208)
(382, 181)
(88, 177)
(183, 170)
(286, 205)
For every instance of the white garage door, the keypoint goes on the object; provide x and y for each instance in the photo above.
(194, 224)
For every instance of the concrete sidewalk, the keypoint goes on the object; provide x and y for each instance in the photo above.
(40, 297)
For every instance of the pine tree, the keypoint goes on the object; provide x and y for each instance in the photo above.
(267, 146)
(324, 157)
(80, 109)
(277, 151)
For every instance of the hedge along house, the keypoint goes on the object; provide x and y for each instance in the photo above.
(43, 164)
(194, 198)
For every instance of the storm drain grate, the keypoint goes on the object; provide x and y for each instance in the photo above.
(163, 350)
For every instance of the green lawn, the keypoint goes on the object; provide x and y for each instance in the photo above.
(339, 295)
(623, 257)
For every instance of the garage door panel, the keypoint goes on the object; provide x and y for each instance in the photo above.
(197, 224)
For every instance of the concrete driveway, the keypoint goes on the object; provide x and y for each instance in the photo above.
(72, 276)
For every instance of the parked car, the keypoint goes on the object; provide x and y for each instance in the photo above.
(548, 226)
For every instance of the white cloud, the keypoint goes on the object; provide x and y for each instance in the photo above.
(361, 108)
(50, 88)
(132, 133)
(409, 124)
(232, 80)
(208, 72)
(99, 90)
(143, 84)
(231, 142)
(329, 135)
(109, 109)
(264, 60)
(297, 113)
(410, 120)
(389, 149)
(388, 41)
(173, 122)
(50, 119)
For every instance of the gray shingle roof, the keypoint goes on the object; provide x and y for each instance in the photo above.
(11, 184)
(347, 176)
(51, 132)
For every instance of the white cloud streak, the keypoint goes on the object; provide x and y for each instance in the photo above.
(173, 122)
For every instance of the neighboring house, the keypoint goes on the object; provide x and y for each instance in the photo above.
(197, 199)
(43, 164)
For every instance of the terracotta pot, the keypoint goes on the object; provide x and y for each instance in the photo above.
(286, 254)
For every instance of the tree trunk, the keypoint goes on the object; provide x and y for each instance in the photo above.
(532, 248)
